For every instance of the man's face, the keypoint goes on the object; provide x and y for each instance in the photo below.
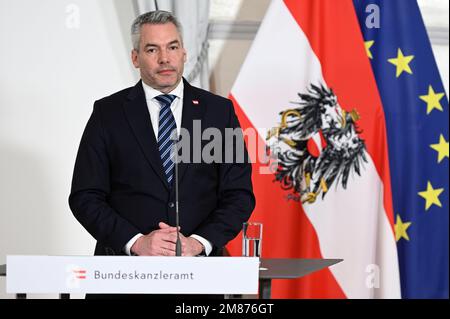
(161, 56)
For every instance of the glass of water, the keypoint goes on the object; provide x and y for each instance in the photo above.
(252, 239)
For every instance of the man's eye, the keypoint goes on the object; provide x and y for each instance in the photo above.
(151, 50)
(174, 47)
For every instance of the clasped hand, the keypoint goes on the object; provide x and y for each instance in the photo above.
(161, 242)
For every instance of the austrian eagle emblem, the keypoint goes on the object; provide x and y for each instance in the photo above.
(317, 145)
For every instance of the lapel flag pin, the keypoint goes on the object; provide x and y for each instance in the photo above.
(195, 102)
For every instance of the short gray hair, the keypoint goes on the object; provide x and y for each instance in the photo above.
(152, 17)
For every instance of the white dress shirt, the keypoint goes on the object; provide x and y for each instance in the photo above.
(177, 110)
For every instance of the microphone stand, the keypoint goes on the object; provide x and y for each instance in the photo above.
(177, 212)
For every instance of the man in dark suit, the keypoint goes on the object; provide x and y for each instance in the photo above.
(123, 183)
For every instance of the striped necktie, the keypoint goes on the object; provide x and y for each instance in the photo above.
(166, 127)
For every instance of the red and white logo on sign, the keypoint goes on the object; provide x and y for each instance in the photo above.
(80, 273)
(75, 275)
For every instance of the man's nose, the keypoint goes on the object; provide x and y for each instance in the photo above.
(163, 57)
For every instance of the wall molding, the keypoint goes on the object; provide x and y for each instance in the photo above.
(232, 30)
(438, 35)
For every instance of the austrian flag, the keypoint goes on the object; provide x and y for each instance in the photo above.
(308, 89)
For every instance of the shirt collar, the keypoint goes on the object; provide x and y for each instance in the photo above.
(151, 93)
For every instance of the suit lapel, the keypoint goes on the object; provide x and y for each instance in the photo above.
(137, 114)
(193, 109)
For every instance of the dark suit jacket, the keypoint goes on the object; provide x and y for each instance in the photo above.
(119, 188)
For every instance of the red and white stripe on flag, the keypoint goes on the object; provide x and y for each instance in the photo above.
(316, 144)
(304, 42)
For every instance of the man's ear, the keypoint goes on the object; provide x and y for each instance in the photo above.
(134, 58)
(184, 55)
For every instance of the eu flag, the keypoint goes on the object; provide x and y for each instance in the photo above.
(416, 110)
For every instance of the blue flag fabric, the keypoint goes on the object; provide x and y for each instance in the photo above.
(417, 119)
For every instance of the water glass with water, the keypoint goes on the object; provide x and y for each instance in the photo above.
(252, 239)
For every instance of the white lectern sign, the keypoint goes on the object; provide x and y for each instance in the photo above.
(145, 275)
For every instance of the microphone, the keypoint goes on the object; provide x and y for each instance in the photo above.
(177, 212)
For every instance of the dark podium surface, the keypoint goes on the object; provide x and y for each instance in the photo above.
(271, 268)
(291, 268)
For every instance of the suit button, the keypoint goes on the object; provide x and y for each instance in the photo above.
(171, 205)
